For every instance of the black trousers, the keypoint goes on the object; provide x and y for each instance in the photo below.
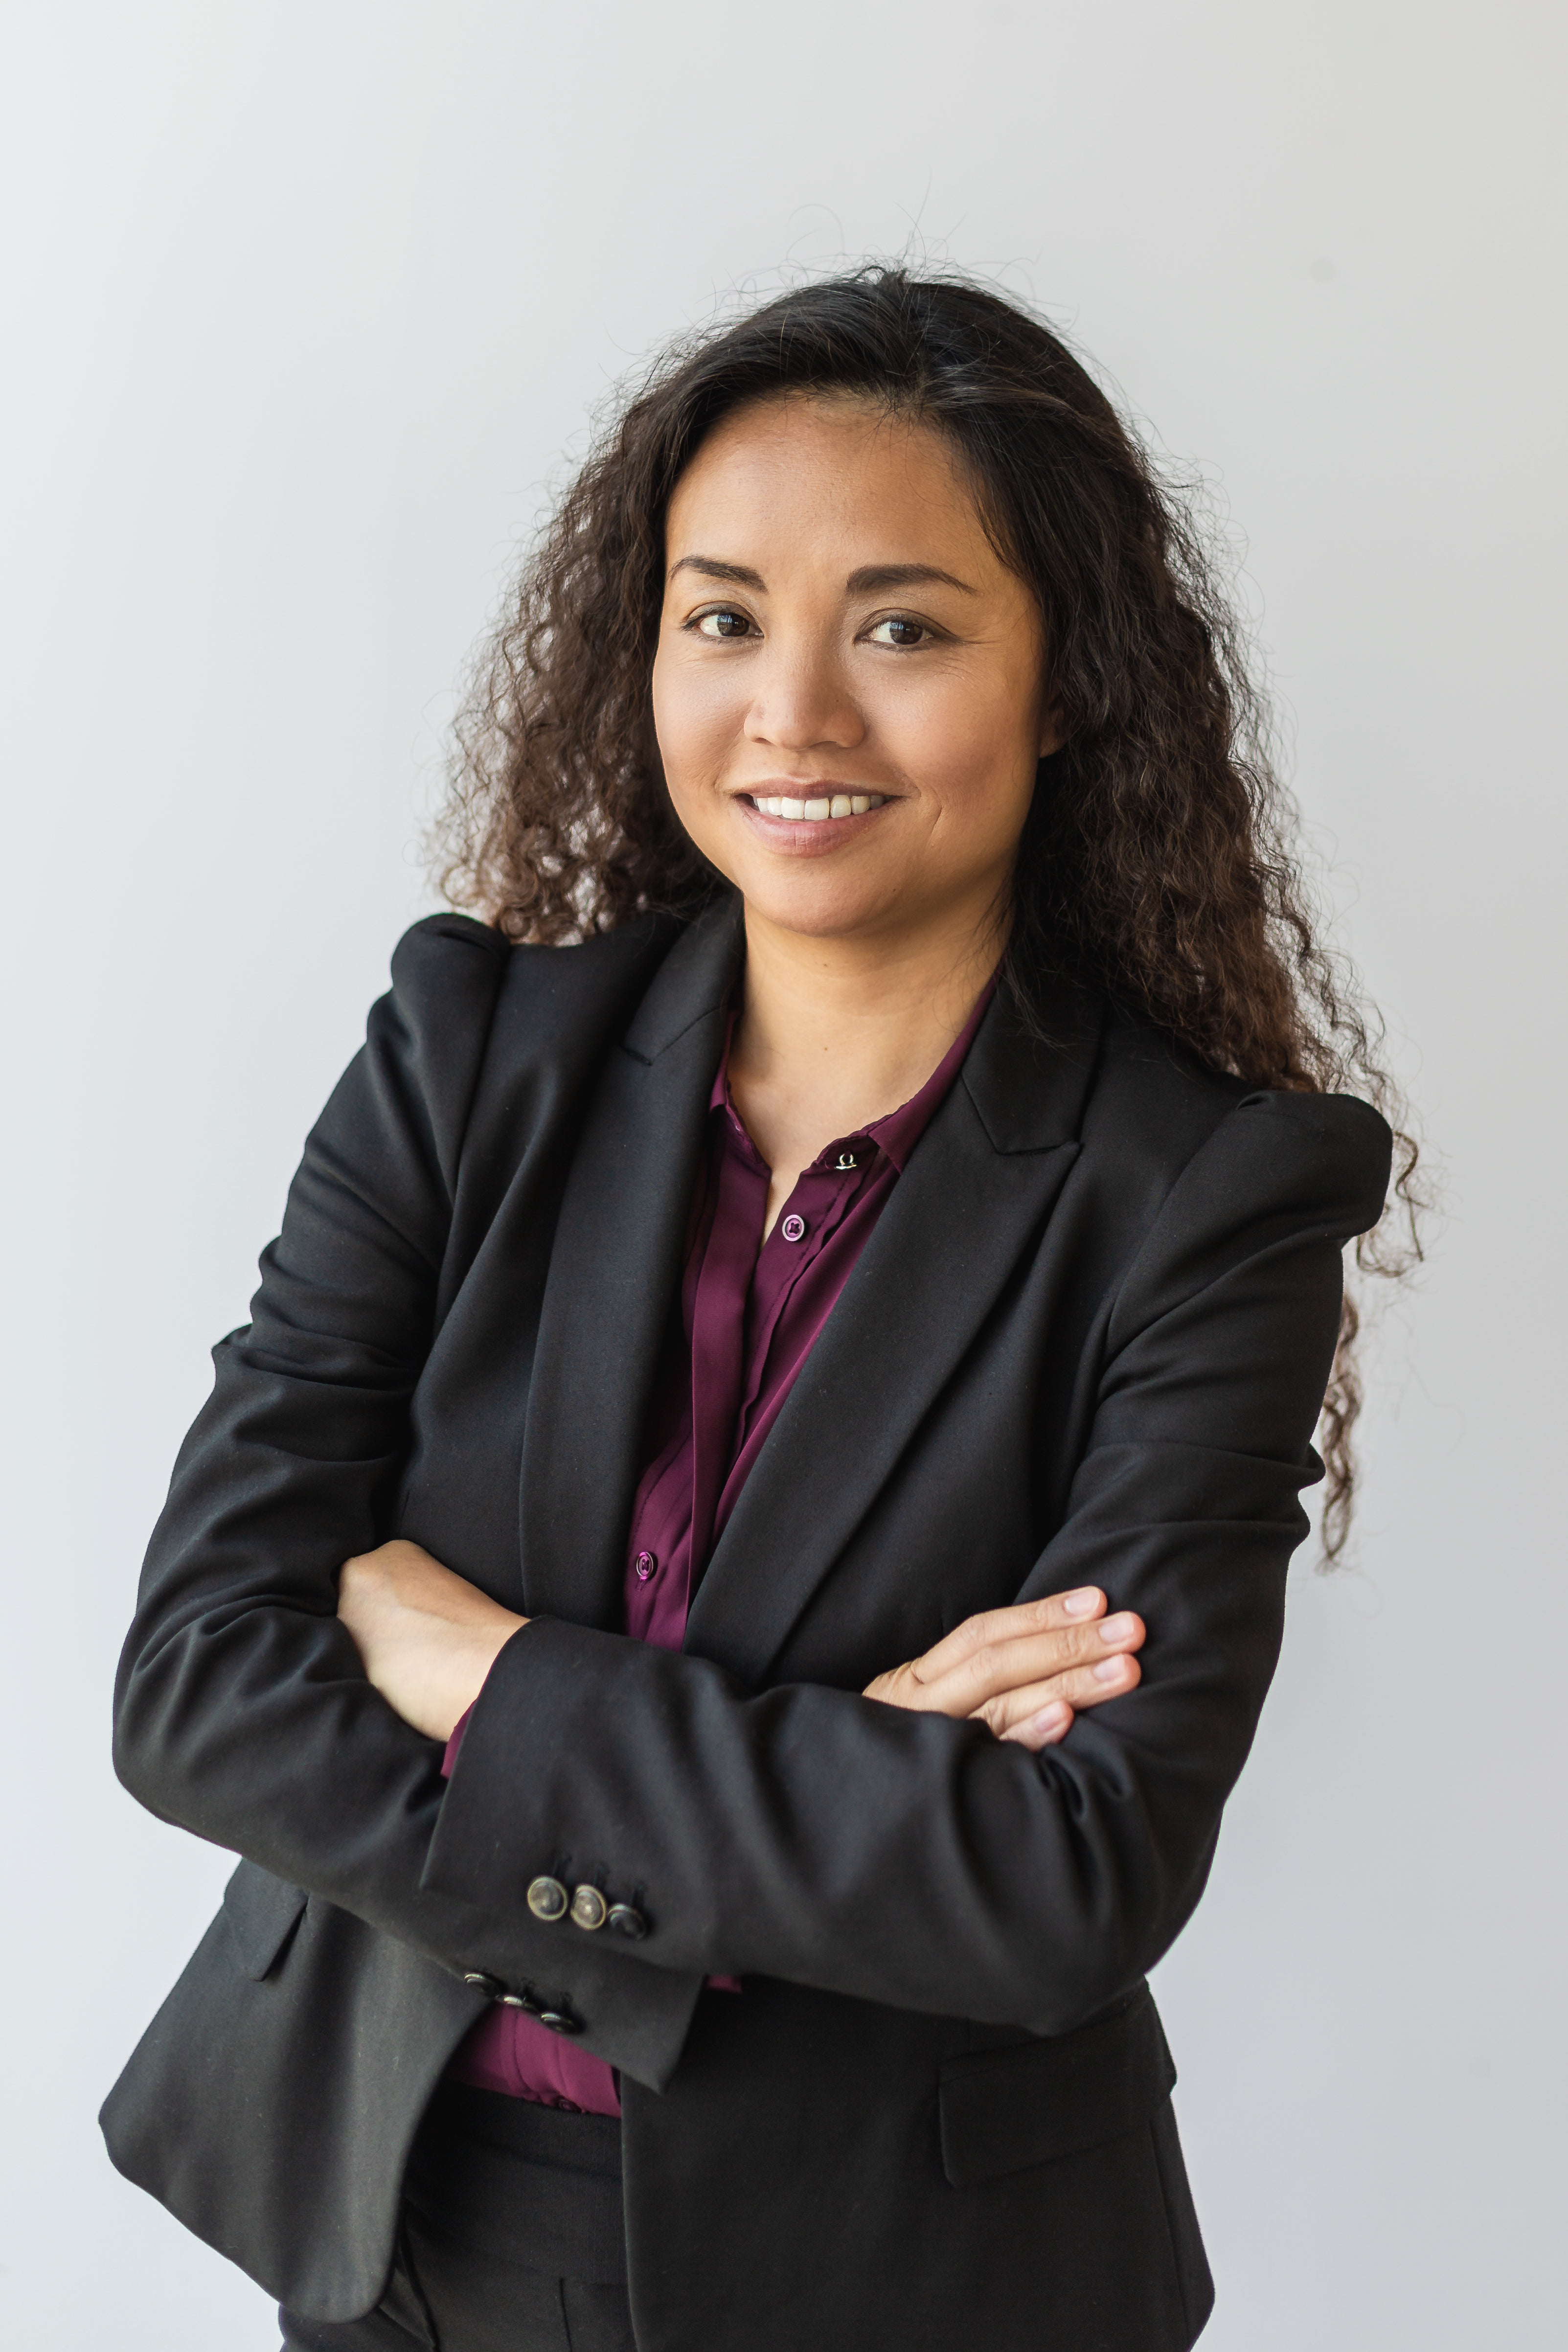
(512, 2238)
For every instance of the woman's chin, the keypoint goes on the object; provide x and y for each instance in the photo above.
(818, 904)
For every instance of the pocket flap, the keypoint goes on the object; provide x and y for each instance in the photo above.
(1035, 2101)
(262, 1912)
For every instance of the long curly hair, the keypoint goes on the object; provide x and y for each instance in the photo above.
(1158, 860)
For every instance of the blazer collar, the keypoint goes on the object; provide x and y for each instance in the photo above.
(1028, 1088)
(697, 978)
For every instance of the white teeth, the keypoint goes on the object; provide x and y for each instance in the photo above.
(819, 811)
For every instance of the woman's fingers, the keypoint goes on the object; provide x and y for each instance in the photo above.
(995, 1627)
(1044, 1729)
(1082, 1687)
(926, 1683)
(999, 1668)
(992, 1656)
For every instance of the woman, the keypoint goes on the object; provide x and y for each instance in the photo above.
(723, 1591)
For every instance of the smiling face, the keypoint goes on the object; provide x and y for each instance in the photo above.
(848, 690)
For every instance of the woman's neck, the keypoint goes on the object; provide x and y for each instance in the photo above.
(835, 1032)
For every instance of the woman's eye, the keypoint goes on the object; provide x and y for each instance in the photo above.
(725, 622)
(898, 633)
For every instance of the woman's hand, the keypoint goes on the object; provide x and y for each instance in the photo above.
(1023, 1670)
(427, 1638)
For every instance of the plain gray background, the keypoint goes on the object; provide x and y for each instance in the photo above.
(307, 305)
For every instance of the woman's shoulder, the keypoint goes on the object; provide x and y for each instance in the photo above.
(472, 1028)
(451, 972)
(470, 1015)
(451, 956)
(1193, 1127)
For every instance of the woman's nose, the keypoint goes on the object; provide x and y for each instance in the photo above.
(803, 700)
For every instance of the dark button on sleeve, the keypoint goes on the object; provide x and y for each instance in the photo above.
(547, 1898)
(626, 1920)
(559, 2018)
(588, 1908)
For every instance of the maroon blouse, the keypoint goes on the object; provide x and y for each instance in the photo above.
(750, 1312)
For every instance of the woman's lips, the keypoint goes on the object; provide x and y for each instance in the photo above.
(807, 827)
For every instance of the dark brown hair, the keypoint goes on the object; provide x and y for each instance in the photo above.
(1157, 861)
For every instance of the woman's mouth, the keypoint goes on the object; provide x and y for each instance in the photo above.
(827, 811)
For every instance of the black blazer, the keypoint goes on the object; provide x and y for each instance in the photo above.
(1086, 1343)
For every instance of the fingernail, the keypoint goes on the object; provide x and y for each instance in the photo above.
(1109, 1670)
(1049, 1718)
(1115, 1628)
(1079, 1605)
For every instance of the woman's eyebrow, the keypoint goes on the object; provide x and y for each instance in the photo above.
(712, 569)
(873, 579)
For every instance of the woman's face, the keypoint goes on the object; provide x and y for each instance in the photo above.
(839, 635)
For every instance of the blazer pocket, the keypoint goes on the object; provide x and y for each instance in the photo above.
(1035, 2101)
(262, 1912)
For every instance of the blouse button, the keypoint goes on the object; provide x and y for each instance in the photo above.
(793, 1229)
(645, 1564)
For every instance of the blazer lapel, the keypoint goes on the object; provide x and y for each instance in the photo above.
(978, 1188)
(613, 1270)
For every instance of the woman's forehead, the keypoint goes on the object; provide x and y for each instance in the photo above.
(810, 469)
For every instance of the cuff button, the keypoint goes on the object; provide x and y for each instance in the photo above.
(627, 1921)
(547, 1898)
(481, 1982)
(588, 1908)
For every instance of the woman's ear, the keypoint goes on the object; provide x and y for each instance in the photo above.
(1052, 729)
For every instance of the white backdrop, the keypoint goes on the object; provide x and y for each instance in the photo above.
(308, 304)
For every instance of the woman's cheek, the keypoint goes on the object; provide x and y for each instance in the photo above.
(696, 721)
(968, 754)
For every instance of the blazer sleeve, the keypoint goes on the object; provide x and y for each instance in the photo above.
(240, 1709)
(816, 1836)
